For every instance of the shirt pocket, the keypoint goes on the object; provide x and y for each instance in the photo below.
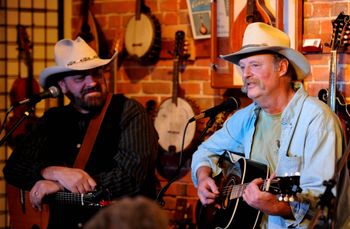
(288, 166)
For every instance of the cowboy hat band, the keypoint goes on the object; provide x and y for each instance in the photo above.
(259, 37)
(71, 56)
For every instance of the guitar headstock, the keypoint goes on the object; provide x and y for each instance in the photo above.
(341, 31)
(285, 188)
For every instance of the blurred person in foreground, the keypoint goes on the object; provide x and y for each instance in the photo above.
(130, 213)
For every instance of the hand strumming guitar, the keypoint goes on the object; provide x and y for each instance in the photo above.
(207, 189)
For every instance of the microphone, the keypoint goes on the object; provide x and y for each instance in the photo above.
(52, 92)
(229, 105)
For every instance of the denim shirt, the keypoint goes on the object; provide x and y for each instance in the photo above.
(311, 143)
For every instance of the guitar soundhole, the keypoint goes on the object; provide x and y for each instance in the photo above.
(35, 226)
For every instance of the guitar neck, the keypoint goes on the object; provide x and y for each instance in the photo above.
(237, 190)
(282, 186)
(331, 99)
(68, 198)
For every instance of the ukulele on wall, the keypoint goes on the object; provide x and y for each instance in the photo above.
(173, 115)
(334, 99)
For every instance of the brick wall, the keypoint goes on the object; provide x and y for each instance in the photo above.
(155, 81)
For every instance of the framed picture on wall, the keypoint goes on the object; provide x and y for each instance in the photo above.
(200, 18)
(229, 19)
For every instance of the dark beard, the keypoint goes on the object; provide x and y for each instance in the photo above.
(90, 103)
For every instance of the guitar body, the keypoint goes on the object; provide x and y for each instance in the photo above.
(234, 213)
(22, 215)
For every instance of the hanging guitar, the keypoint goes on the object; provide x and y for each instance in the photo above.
(172, 118)
(23, 88)
(233, 211)
(334, 99)
(253, 11)
(143, 35)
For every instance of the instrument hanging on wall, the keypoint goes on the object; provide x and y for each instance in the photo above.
(253, 11)
(172, 118)
(23, 88)
(87, 26)
(143, 35)
(334, 99)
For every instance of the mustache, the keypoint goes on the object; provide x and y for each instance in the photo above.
(87, 90)
(246, 82)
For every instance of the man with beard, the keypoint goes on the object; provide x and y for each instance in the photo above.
(122, 159)
(284, 128)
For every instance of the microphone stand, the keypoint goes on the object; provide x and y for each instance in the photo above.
(161, 193)
(26, 114)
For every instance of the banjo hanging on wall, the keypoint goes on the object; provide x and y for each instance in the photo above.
(143, 35)
(172, 118)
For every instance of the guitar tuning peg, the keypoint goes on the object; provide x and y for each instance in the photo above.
(291, 199)
(297, 173)
(280, 197)
(286, 198)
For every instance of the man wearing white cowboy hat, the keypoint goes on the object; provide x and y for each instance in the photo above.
(121, 158)
(284, 128)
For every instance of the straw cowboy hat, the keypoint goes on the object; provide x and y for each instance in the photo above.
(71, 55)
(260, 37)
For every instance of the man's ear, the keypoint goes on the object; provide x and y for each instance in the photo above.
(62, 85)
(283, 67)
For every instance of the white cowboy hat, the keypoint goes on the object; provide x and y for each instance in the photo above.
(72, 55)
(259, 37)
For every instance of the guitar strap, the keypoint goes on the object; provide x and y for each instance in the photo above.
(90, 136)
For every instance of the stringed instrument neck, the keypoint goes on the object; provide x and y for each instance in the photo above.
(177, 63)
(331, 99)
(285, 187)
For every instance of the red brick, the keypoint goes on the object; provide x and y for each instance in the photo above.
(157, 88)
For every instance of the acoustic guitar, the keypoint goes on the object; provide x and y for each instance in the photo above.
(334, 99)
(175, 133)
(23, 216)
(143, 35)
(234, 212)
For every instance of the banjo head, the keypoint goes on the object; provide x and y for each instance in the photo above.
(170, 124)
(139, 36)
